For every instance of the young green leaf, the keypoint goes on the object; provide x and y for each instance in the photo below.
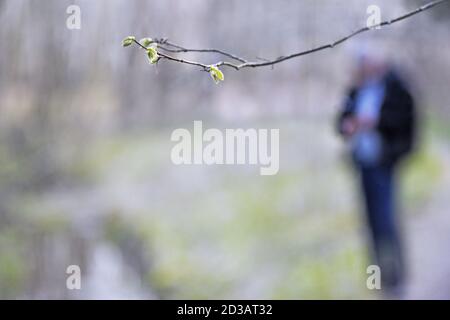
(128, 41)
(146, 42)
(152, 55)
(216, 74)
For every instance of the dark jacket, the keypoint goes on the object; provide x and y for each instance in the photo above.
(397, 121)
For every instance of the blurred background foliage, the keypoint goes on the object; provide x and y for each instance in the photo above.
(85, 170)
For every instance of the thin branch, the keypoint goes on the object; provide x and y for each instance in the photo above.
(165, 56)
(178, 49)
(163, 44)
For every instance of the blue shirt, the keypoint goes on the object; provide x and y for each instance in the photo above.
(369, 100)
(367, 144)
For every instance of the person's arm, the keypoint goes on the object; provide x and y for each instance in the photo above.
(400, 115)
(346, 124)
(399, 121)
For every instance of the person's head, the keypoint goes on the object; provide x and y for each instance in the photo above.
(370, 64)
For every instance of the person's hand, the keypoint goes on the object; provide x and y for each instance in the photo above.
(365, 124)
(349, 126)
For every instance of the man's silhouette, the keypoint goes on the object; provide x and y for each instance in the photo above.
(378, 123)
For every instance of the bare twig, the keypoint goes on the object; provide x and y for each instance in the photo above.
(177, 48)
(168, 47)
(165, 56)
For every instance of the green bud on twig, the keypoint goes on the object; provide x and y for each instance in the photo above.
(128, 41)
(146, 42)
(152, 55)
(216, 74)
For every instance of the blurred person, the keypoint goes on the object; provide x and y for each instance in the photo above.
(377, 122)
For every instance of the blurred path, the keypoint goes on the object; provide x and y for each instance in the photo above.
(428, 240)
(110, 278)
(110, 273)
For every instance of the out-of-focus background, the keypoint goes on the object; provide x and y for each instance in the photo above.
(85, 170)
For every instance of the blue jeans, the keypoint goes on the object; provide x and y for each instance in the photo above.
(379, 194)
